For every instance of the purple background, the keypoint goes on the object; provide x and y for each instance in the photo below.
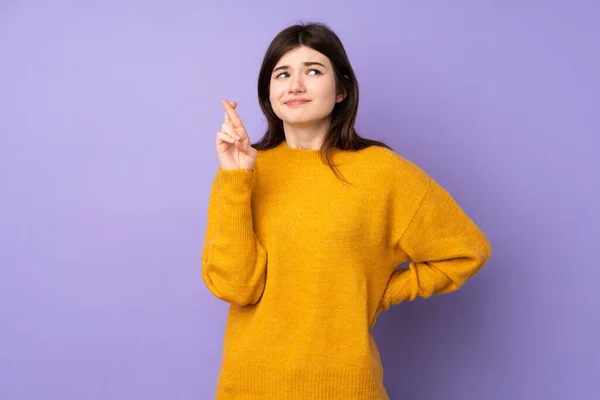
(108, 112)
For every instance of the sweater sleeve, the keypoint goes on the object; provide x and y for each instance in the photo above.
(444, 246)
(233, 260)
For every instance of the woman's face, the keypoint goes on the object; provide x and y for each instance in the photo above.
(302, 89)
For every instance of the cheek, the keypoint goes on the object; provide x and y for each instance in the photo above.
(275, 89)
(275, 94)
(326, 91)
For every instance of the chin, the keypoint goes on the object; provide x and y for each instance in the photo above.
(300, 120)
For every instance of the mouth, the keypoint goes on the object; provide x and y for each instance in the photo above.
(295, 103)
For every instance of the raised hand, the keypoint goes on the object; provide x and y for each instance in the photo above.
(233, 144)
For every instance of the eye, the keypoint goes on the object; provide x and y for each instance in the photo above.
(310, 70)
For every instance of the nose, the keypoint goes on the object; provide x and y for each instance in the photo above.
(296, 84)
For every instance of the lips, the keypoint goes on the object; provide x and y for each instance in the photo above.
(296, 102)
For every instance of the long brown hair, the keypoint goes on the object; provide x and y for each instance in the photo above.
(342, 134)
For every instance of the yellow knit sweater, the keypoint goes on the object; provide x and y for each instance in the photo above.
(308, 262)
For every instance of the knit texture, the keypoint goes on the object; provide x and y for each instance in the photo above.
(308, 262)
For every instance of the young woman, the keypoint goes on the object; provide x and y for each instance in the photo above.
(307, 227)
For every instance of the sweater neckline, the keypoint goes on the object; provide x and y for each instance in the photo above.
(299, 154)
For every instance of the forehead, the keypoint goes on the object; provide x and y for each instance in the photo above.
(302, 54)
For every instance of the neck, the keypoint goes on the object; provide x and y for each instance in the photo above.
(308, 136)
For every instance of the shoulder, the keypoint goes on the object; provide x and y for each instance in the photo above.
(397, 169)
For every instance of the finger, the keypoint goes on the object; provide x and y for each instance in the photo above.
(223, 137)
(228, 129)
(233, 103)
(236, 122)
(229, 132)
(226, 118)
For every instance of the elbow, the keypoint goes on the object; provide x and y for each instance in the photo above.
(485, 252)
(231, 291)
(480, 255)
(237, 279)
(467, 264)
(452, 272)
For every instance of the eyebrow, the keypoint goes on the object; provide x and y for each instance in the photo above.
(306, 64)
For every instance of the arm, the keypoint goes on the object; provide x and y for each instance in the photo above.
(233, 260)
(445, 248)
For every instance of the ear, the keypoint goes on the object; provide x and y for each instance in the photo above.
(342, 96)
